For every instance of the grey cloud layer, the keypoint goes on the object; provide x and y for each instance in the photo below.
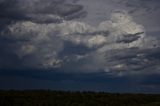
(35, 40)
(40, 11)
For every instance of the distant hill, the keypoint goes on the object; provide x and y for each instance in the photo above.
(61, 98)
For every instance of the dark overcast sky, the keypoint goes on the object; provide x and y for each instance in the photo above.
(97, 45)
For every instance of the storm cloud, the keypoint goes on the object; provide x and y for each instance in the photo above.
(39, 34)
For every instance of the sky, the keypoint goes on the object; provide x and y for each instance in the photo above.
(80, 45)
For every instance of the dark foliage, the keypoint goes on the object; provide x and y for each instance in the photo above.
(59, 98)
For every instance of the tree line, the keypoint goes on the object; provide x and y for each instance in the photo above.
(62, 98)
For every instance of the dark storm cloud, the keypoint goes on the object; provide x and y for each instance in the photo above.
(57, 76)
(128, 38)
(38, 34)
(40, 11)
(77, 82)
(36, 11)
(101, 78)
(149, 6)
(135, 60)
(48, 44)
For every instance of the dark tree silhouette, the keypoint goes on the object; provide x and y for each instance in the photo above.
(59, 98)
